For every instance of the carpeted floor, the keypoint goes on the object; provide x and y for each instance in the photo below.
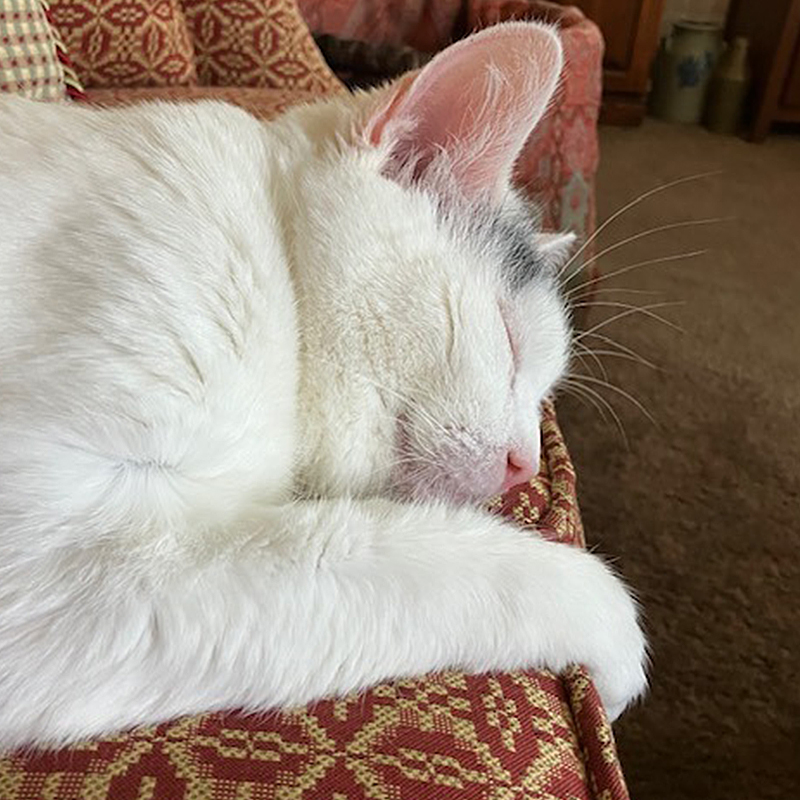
(702, 508)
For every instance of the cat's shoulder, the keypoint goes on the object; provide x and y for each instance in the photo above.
(158, 118)
(216, 115)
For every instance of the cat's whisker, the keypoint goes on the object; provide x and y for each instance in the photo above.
(426, 457)
(649, 193)
(626, 356)
(623, 348)
(622, 315)
(597, 398)
(686, 223)
(582, 359)
(572, 390)
(400, 461)
(628, 268)
(646, 310)
(584, 394)
(582, 351)
(586, 402)
(590, 293)
(629, 397)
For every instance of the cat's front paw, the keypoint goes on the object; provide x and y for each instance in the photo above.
(617, 654)
(620, 673)
(589, 618)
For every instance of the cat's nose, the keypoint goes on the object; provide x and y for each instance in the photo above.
(519, 469)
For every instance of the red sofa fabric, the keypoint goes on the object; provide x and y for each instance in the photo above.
(126, 42)
(259, 43)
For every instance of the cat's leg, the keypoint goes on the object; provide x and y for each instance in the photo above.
(317, 598)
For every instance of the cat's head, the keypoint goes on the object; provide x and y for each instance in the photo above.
(431, 323)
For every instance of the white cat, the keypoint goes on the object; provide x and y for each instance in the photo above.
(253, 380)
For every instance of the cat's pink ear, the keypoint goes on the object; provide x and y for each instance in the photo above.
(473, 106)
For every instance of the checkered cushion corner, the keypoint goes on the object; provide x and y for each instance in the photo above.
(33, 59)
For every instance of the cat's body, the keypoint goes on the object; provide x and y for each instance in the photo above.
(247, 375)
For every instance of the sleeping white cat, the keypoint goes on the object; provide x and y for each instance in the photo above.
(254, 379)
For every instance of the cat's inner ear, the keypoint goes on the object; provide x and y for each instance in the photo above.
(554, 249)
(469, 112)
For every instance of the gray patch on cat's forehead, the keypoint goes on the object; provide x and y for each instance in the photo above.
(512, 235)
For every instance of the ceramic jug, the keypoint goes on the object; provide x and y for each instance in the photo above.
(682, 70)
(728, 89)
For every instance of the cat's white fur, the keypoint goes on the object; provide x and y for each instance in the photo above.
(248, 377)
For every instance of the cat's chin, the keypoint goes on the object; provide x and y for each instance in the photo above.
(445, 473)
(443, 488)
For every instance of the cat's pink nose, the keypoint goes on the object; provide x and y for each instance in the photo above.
(518, 470)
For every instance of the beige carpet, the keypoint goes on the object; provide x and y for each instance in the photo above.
(702, 509)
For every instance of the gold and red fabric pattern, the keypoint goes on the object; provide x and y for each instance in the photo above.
(257, 43)
(127, 42)
(159, 43)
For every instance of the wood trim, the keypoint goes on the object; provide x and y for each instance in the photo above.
(631, 29)
(645, 45)
(780, 66)
(615, 80)
(785, 114)
(620, 109)
(773, 35)
(641, 48)
(790, 94)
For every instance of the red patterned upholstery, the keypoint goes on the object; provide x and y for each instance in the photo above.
(448, 737)
(140, 43)
(126, 42)
(261, 43)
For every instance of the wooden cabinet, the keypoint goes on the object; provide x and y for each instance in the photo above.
(630, 28)
(774, 32)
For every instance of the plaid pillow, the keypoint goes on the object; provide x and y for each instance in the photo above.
(33, 61)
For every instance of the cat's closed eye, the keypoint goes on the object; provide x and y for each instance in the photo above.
(513, 342)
